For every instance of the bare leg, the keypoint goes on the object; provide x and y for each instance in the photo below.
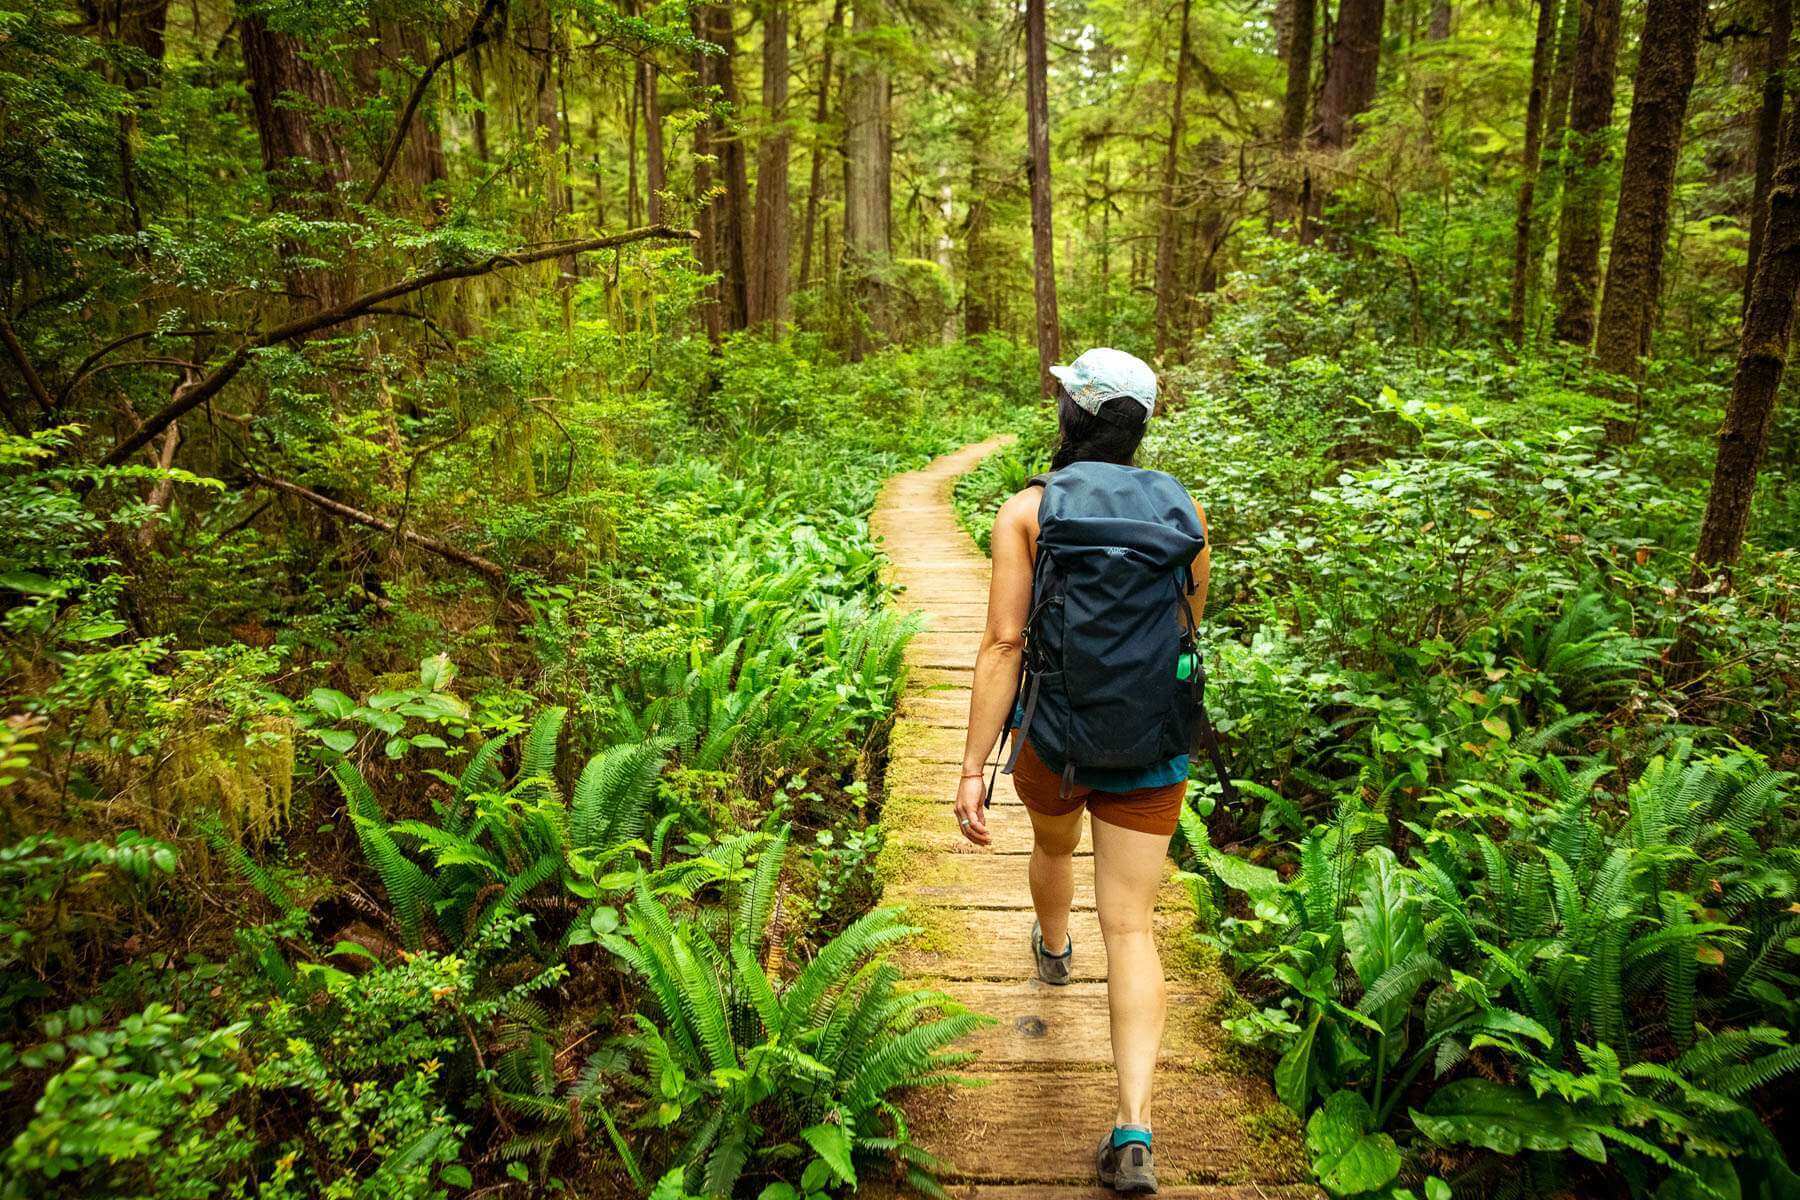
(1128, 871)
(1053, 842)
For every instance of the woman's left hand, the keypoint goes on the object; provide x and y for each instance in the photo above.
(970, 816)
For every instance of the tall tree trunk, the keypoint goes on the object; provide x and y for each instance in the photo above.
(1167, 227)
(706, 215)
(733, 207)
(1665, 78)
(1541, 52)
(478, 92)
(769, 280)
(867, 214)
(1768, 128)
(1762, 359)
(301, 155)
(1438, 30)
(821, 111)
(1299, 73)
(1351, 70)
(655, 179)
(1037, 122)
(1586, 157)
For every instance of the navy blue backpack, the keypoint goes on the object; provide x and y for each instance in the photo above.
(1111, 675)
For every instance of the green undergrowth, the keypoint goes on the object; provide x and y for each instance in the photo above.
(561, 890)
(1506, 908)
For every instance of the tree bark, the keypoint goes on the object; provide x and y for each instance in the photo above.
(732, 208)
(1351, 71)
(1037, 122)
(1665, 78)
(769, 281)
(1299, 72)
(655, 174)
(1438, 30)
(301, 155)
(867, 214)
(1586, 156)
(1762, 359)
(1768, 130)
(1543, 47)
(821, 112)
(1167, 227)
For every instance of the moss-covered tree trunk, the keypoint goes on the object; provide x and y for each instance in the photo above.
(769, 276)
(1768, 128)
(867, 213)
(1542, 50)
(1762, 360)
(1587, 155)
(1665, 78)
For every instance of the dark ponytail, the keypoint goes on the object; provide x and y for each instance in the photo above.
(1111, 435)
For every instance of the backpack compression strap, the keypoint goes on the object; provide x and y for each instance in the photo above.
(1207, 736)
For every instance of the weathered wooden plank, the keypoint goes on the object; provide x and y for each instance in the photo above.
(1042, 1127)
(1036, 1023)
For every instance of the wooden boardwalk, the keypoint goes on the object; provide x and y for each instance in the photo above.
(1029, 1132)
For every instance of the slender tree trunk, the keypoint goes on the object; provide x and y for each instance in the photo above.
(821, 141)
(1762, 359)
(1299, 73)
(1665, 78)
(1541, 51)
(1768, 128)
(1037, 121)
(1586, 158)
(634, 107)
(867, 213)
(731, 209)
(769, 294)
(655, 180)
(1438, 30)
(706, 214)
(1167, 227)
(478, 92)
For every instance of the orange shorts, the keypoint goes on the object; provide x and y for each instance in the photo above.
(1147, 810)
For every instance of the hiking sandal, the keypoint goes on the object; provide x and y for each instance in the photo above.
(1054, 969)
(1128, 1170)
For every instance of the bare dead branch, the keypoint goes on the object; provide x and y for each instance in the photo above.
(483, 566)
(190, 398)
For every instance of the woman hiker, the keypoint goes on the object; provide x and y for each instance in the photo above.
(1089, 660)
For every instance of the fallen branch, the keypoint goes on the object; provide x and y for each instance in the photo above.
(86, 366)
(479, 34)
(310, 323)
(474, 562)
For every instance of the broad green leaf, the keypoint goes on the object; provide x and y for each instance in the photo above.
(340, 740)
(1347, 1157)
(331, 702)
(436, 672)
(1479, 1112)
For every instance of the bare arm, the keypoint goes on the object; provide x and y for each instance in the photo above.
(1202, 570)
(997, 662)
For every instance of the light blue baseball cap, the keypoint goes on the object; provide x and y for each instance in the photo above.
(1103, 373)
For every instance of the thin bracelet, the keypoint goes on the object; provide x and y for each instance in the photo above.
(974, 774)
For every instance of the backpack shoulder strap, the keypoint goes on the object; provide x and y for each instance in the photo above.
(1041, 479)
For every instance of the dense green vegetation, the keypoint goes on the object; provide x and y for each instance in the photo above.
(446, 669)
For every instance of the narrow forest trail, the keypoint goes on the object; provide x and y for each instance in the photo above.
(1047, 1085)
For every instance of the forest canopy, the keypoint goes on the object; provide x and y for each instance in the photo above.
(447, 670)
